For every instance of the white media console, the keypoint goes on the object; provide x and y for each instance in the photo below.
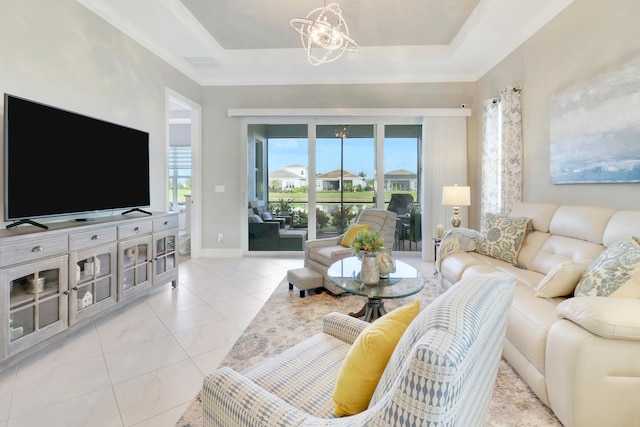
(57, 280)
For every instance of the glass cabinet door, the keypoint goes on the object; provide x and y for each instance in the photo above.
(165, 257)
(93, 286)
(165, 254)
(37, 303)
(134, 265)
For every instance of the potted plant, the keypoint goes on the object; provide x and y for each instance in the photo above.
(367, 242)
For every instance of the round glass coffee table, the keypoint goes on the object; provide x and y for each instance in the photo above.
(402, 282)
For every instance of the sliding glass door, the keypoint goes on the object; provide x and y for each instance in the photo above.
(328, 172)
(345, 165)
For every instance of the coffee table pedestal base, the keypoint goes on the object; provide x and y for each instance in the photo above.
(372, 310)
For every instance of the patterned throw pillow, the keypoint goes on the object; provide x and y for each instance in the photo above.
(615, 273)
(502, 236)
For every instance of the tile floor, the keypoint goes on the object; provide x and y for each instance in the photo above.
(143, 364)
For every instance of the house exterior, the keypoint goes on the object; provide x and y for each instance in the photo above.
(400, 180)
(289, 177)
(331, 181)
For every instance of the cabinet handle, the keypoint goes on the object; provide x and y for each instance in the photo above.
(136, 229)
(166, 222)
(95, 237)
(75, 288)
(65, 292)
(37, 248)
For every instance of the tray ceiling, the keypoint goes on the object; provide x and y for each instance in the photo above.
(250, 42)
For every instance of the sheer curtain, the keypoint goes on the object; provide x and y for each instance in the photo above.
(501, 152)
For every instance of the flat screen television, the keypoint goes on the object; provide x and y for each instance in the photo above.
(58, 162)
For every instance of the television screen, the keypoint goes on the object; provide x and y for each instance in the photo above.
(57, 162)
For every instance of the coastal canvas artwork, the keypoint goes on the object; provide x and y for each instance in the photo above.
(595, 129)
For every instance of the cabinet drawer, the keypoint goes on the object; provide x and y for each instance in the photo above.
(92, 238)
(33, 249)
(138, 228)
(166, 223)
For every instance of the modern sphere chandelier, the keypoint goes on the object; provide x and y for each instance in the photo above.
(324, 34)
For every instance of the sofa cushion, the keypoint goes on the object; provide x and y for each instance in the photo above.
(367, 359)
(615, 273)
(303, 375)
(561, 280)
(503, 236)
(558, 249)
(604, 317)
(581, 222)
(540, 214)
(255, 218)
(327, 255)
(530, 319)
(621, 225)
(351, 233)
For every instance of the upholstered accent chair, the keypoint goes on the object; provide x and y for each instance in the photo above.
(321, 253)
(441, 373)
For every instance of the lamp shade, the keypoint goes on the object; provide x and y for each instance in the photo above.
(456, 196)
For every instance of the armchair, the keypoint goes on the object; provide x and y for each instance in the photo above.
(321, 253)
(442, 372)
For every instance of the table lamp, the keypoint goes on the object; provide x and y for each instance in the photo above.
(456, 196)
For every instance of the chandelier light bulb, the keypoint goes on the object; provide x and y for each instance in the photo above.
(324, 34)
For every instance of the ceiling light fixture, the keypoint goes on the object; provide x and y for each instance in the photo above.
(324, 34)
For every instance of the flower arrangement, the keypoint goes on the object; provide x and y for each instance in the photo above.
(367, 241)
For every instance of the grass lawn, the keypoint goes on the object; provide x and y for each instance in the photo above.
(333, 196)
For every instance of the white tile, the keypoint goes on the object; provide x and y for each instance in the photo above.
(7, 384)
(176, 303)
(151, 394)
(220, 293)
(244, 319)
(208, 337)
(190, 318)
(82, 344)
(235, 306)
(120, 332)
(46, 388)
(210, 361)
(129, 362)
(166, 419)
(97, 409)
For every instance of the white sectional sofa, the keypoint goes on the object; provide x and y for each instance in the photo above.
(579, 354)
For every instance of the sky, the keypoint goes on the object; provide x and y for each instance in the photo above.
(359, 154)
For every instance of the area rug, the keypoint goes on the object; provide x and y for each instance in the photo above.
(287, 319)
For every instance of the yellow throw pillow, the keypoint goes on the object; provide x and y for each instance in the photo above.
(352, 231)
(368, 357)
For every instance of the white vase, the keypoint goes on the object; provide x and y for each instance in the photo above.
(369, 273)
(385, 263)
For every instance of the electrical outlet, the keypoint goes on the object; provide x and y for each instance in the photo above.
(219, 237)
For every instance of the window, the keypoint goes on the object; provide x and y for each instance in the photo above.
(179, 177)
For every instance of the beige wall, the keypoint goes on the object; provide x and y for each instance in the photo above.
(587, 38)
(222, 148)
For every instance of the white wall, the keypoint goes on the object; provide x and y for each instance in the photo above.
(587, 38)
(62, 54)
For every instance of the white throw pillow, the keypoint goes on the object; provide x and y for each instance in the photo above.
(562, 279)
(255, 219)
